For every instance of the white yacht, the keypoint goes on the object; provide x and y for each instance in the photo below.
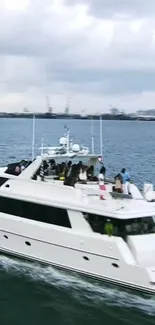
(66, 227)
(64, 152)
(66, 148)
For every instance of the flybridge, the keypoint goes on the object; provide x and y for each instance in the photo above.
(66, 146)
(77, 199)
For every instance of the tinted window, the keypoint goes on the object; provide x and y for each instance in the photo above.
(145, 225)
(35, 211)
(122, 228)
(98, 223)
(3, 180)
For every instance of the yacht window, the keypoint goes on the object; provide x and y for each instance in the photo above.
(3, 180)
(145, 225)
(98, 222)
(122, 227)
(38, 212)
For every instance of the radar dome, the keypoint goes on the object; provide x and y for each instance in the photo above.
(75, 147)
(63, 141)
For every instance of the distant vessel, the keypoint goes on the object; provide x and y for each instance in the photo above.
(66, 148)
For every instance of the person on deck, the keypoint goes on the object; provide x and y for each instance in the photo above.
(62, 170)
(102, 173)
(67, 175)
(118, 183)
(83, 174)
(109, 229)
(126, 181)
(90, 173)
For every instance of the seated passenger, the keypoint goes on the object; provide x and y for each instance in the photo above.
(62, 169)
(136, 227)
(52, 170)
(90, 173)
(118, 183)
(83, 174)
(22, 165)
(109, 229)
(17, 170)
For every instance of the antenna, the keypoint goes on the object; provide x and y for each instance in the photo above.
(68, 131)
(101, 143)
(42, 146)
(92, 138)
(67, 108)
(33, 137)
(47, 102)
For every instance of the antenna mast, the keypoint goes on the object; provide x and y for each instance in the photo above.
(42, 147)
(33, 137)
(92, 138)
(101, 137)
(68, 131)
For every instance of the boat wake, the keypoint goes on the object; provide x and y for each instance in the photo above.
(87, 291)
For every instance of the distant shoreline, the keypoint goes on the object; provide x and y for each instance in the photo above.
(106, 117)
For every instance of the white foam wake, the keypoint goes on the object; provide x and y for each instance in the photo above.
(87, 291)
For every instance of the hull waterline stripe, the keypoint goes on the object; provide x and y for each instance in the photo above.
(59, 245)
(90, 275)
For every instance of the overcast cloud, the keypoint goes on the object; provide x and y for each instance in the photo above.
(97, 52)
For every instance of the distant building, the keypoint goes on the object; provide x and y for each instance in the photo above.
(67, 110)
(148, 112)
(50, 110)
(114, 111)
(25, 110)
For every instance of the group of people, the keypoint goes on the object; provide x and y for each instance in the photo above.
(71, 173)
(17, 168)
(68, 172)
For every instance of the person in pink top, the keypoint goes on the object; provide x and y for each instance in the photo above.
(102, 186)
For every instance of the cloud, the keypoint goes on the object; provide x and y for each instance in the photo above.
(121, 9)
(83, 49)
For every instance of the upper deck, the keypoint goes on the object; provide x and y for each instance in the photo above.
(76, 199)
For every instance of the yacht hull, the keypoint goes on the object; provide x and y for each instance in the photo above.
(102, 279)
(74, 252)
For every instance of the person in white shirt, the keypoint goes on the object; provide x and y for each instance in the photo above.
(83, 174)
(101, 175)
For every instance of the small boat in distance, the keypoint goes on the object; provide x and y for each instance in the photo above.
(66, 148)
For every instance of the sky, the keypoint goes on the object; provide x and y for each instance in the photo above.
(94, 54)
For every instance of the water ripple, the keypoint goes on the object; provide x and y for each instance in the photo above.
(86, 291)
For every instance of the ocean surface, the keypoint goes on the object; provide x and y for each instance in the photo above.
(35, 294)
